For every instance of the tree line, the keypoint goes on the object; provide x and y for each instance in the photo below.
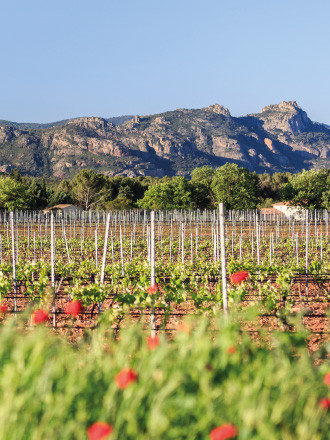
(237, 187)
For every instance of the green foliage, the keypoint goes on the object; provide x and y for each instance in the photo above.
(234, 186)
(309, 188)
(326, 197)
(173, 194)
(266, 203)
(15, 175)
(203, 175)
(126, 192)
(201, 179)
(61, 193)
(38, 193)
(184, 389)
(119, 203)
(88, 188)
(271, 186)
(13, 194)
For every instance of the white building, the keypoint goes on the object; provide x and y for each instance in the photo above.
(290, 210)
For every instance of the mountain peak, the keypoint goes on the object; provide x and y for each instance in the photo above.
(282, 106)
(93, 122)
(287, 116)
(219, 109)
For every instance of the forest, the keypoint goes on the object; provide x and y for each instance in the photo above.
(236, 187)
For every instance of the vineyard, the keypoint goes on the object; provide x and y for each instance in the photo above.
(287, 261)
(165, 277)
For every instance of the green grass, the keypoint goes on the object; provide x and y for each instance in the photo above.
(54, 390)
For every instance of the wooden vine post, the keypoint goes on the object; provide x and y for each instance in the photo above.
(152, 270)
(13, 258)
(52, 262)
(104, 258)
(223, 258)
(96, 249)
(307, 249)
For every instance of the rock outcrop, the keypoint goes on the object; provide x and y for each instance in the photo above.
(219, 110)
(286, 116)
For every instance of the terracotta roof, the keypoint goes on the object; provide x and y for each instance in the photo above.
(270, 211)
(61, 206)
(282, 204)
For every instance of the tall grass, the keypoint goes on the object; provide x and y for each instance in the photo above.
(52, 389)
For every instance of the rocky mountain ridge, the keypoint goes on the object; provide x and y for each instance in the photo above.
(279, 138)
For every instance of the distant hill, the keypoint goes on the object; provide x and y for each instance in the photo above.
(117, 120)
(279, 138)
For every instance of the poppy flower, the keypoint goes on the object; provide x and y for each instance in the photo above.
(223, 432)
(231, 350)
(4, 309)
(326, 378)
(73, 308)
(125, 377)
(99, 431)
(324, 403)
(153, 342)
(39, 316)
(238, 277)
(152, 289)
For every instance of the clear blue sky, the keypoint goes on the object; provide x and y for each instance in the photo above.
(62, 59)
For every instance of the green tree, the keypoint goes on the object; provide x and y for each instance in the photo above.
(61, 193)
(15, 175)
(236, 187)
(126, 192)
(119, 203)
(200, 196)
(272, 187)
(326, 198)
(278, 183)
(172, 194)
(132, 189)
(59, 197)
(309, 188)
(201, 179)
(203, 175)
(14, 194)
(38, 193)
(89, 189)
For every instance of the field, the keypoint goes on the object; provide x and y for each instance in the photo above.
(108, 282)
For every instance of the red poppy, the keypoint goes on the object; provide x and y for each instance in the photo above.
(326, 378)
(125, 377)
(39, 316)
(4, 309)
(152, 289)
(238, 277)
(231, 350)
(153, 342)
(324, 403)
(223, 432)
(73, 308)
(99, 431)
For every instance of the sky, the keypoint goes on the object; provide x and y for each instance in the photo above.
(64, 59)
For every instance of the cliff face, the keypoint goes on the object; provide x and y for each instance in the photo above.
(280, 138)
(287, 117)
